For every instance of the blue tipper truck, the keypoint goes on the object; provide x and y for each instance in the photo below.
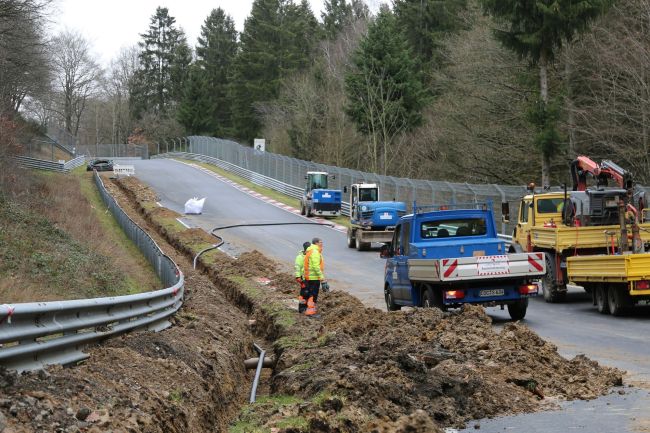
(317, 198)
(371, 220)
(442, 257)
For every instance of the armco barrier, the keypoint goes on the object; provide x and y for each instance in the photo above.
(42, 164)
(40, 333)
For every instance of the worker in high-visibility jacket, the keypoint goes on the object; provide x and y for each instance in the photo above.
(314, 275)
(299, 271)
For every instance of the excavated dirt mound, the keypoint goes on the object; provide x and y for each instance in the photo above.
(454, 366)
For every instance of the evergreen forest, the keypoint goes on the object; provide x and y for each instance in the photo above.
(478, 91)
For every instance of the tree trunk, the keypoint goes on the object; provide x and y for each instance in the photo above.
(543, 92)
(569, 106)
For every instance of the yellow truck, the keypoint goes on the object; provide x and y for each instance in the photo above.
(543, 225)
(616, 281)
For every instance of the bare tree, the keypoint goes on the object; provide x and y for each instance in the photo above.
(610, 82)
(23, 61)
(77, 77)
(116, 87)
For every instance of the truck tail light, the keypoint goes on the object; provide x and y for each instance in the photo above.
(643, 285)
(454, 294)
(528, 289)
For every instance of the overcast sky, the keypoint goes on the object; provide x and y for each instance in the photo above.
(112, 24)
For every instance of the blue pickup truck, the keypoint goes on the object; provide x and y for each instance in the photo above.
(441, 257)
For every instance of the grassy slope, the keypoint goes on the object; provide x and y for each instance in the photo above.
(275, 195)
(57, 241)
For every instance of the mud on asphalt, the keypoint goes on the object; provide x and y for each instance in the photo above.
(354, 369)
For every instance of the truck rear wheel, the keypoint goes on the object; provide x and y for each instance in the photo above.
(550, 288)
(601, 299)
(618, 300)
(302, 209)
(361, 246)
(351, 241)
(517, 310)
(390, 301)
(432, 299)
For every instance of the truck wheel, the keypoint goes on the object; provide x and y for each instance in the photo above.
(351, 240)
(432, 299)
(302, 209)
(517, 310)
(601, 299)
(390, 301)
(618, 300)
(361, 246)
(550, 289)
(308, 211)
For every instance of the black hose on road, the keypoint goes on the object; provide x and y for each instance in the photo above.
(221, 241)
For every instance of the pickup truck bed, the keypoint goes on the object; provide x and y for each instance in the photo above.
(609, 268)
(562, 238)
(617, 282)
(477, 268)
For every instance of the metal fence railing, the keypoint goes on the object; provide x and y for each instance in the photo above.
(113, 151)
(62, 139)
(291, 171)
(42, 164)
(40, 333)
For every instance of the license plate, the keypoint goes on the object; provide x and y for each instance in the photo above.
(491, 292)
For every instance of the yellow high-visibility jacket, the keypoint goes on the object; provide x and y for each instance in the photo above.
(299, 265)
(313, 266)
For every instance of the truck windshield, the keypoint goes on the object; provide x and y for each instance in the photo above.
(453, 227)
(318, 181)
(550, 205)
(368, 194)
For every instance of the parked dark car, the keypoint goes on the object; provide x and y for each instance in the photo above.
(100, 165)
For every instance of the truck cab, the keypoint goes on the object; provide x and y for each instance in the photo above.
(541, 210)
(371, 220)
(317, 199)
(446, 258)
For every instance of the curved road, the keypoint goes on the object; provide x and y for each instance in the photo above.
(575, 327)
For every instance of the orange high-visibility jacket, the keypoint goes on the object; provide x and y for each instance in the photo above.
(314, 265)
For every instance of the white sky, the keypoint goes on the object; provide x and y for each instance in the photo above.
(112, 24)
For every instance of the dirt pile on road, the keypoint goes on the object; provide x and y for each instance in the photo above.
(454, 366)
(359, 369)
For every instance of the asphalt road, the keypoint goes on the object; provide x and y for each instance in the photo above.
(575, 326)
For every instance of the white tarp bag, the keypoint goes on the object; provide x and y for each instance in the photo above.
(194, 206)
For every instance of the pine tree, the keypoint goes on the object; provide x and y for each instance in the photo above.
(216, 50)
(537, 30)
(278, 39)
(337, 15)
(384, 90)
(425, 24)
(194, 112)
(163, 55)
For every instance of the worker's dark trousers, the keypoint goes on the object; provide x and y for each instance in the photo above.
(312, 289)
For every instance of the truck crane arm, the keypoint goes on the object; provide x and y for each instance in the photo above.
(583, 166)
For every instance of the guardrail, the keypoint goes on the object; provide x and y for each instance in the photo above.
(40, 333)
(42, 164)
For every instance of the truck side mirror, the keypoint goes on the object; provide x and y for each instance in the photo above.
(384, 251)
(306, 177)
(345, 189)
(505, 211)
